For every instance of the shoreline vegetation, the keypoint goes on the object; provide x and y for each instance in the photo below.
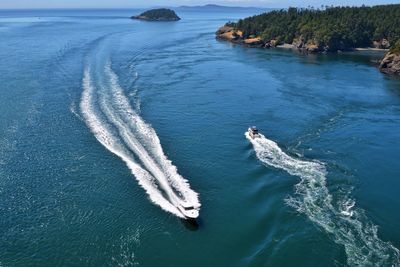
(160, 14)
(330, 30)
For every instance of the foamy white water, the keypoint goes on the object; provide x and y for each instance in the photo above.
(107, 112)
(148, 137)
(105, 136)
(347, 226)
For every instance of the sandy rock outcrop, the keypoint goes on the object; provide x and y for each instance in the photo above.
(390, 64)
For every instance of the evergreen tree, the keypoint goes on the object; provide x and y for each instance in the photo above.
(337, 28)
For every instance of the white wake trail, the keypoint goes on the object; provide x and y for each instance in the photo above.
(135, 146)
(106, 137)
(136, 128)
(360, 240)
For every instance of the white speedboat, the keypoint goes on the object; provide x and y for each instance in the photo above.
(253, 132)
(189, 211)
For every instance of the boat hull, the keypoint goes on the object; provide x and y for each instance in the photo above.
(252, 134)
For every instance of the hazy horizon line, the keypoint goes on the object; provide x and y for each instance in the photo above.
(135, 7)
(178, 6)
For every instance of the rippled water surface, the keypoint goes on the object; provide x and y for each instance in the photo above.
(107, 125)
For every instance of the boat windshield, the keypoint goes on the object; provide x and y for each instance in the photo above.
(188, 208)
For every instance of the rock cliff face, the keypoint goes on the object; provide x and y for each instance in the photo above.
(390, 64)
(235, 36)
(230, 34)
(383, 44)
(310, 47)
(227, 33)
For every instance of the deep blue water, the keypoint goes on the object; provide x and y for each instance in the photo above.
(93, 105)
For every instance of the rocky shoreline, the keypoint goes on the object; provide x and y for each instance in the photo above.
(390, 64)
(230, 34)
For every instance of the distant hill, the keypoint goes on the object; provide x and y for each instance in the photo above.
(159, 14)
(218, 8)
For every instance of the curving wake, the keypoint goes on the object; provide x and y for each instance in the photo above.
(107, 112)
(360, 240)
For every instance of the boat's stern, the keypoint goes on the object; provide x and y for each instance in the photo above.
(189, 211)
(253, 132)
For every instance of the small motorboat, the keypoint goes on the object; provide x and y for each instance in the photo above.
(253, 132)
(189, 211)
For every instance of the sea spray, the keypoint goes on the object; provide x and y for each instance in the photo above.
(360, 240)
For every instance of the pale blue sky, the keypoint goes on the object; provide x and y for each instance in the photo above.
(150, 3)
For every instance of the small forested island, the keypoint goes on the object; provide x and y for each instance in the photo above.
(160, 14)
(330, 29)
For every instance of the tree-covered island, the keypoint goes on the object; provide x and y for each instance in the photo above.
(160, 14)
(330, 29)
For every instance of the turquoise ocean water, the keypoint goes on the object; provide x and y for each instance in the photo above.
(102, 118)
